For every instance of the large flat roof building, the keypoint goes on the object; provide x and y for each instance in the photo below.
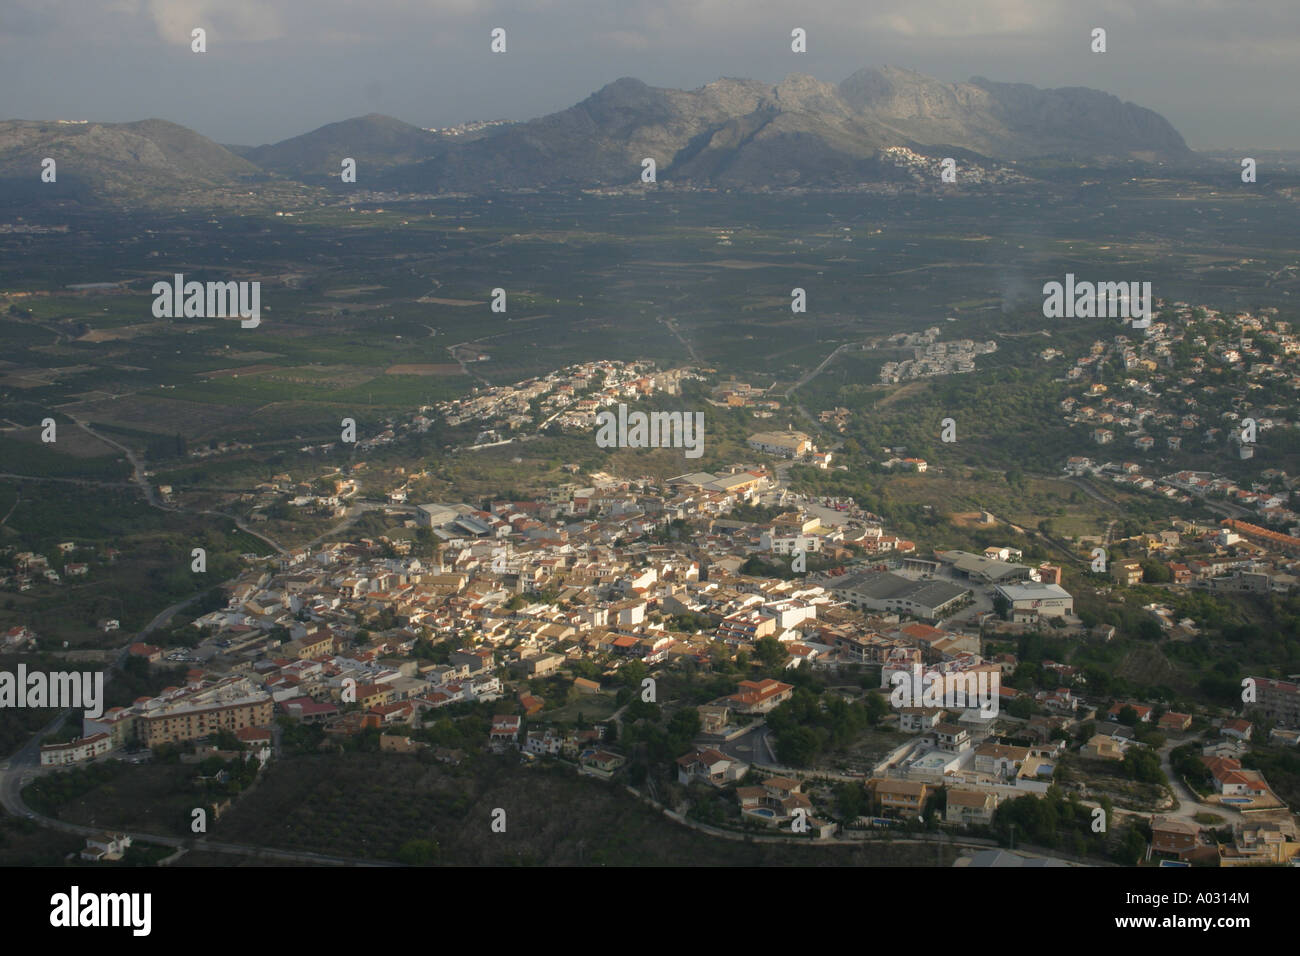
(977, 567)
(791, 444)
(885, 591)
(1049, 600)
(435, 515)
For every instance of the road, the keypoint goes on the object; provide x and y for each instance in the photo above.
(690, 349)
(843, 838)
(809, 376)
(1188, 803)
(1219, 507)
(26, 763)
(92, 483)
(754, 746)
(140, 481)
(137, 466)
(355, 512)
(18, 496)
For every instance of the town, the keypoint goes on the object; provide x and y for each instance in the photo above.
(645, 631)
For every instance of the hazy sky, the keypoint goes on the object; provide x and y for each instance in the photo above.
(1224, 72)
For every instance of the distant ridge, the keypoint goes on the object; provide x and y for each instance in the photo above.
(733, 133)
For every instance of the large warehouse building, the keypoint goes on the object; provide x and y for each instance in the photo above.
(885, 591)
(1049, 600)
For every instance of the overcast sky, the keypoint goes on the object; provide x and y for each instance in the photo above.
(1224, 72)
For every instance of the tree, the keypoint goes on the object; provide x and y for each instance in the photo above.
(632, 673)
(418, 852)
(1148, 629)
(850, 801)
(1154, 572)
(1021, 707)
(1001, 606)
(797, 746)
(770, 653)
(1143, 765)
(1131, 847)
(876, 705)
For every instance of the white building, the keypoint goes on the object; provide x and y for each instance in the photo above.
(1048, 600)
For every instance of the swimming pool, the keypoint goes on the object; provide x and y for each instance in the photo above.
(1236, 800)
(763, 812)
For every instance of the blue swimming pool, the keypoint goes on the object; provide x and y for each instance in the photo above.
(1235, 800)
(762, 812)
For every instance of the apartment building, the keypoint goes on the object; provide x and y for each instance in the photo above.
(791, 444)
(1277, 700)
(86, 748)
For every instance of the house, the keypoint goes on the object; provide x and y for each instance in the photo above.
(106, 846)
(713, 719)
(1237, 728)
(1261, 842)
(1174, 721)
(1117, 732)
(1061, 700)
(1231, 780)
(970, 807)
(543, 664)
(543, 743)
(149, 652)
(1179, 838)
(257, 740)
(1128, 572)
(905, 797)
(951, 738)
(1102, 748)
(1142, 710)
(999, 759)
(776, 800)
(505, 731)
(309, 711)
(399, 712)
(759, 697)
(16, 637)
(601, 763)
(711, 766)
(914, 720)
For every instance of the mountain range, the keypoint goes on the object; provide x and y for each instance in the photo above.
(732, 133)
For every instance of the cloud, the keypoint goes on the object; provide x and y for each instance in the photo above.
(1268, 25)
(1205, 63)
